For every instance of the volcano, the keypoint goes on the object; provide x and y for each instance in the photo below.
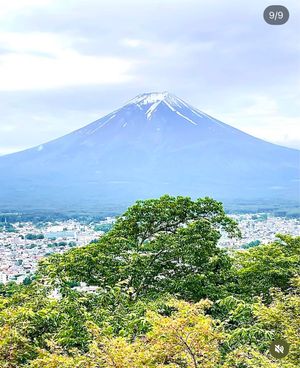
(155, 144)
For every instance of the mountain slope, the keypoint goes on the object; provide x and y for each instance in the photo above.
(155, 144)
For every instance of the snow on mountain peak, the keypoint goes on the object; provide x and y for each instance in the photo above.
(150, 101)
(150, 98)
(149, 104)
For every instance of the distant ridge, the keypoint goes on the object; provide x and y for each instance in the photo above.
(154, 144)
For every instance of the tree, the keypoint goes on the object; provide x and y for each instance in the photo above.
(266, 266)
(282, 318)
(247, 357)
(159, 245)
(185, 338)
(55, 357)
(251, 327)
(15, 349)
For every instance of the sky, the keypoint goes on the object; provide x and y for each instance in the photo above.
(66, 63)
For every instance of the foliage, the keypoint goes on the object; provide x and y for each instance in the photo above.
(166, 296)
(15, 349)
(158, 245)
(282, 318)
(247, 357)
(186, 338)
(266, 266)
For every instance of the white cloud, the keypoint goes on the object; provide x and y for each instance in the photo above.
(6, 128)
(12, 6)
(131, 42)
(262, 118)
(44, 60)
(26, 72)
(34, 42)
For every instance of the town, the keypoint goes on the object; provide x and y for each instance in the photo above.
(23, 244)
(260, 228)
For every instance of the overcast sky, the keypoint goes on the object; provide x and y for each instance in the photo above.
(66, 63)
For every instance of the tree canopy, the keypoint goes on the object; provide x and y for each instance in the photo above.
(157, 245)
(165, 295)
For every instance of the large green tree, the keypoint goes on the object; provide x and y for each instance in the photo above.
(158, 245)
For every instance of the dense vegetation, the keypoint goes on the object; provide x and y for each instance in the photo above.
(166, 296)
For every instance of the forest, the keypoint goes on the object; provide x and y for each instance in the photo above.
(157, 291)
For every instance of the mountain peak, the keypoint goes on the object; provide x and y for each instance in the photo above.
(151, 98)
(149, 102)
(155, 98)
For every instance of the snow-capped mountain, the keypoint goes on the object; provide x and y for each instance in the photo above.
(155, 144)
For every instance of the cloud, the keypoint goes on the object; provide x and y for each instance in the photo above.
(34, 42)
(263, 118)
(13, 6)
(131, 42)
(41, 61)
(25, 72)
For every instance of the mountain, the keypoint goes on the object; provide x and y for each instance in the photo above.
(155, 144)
